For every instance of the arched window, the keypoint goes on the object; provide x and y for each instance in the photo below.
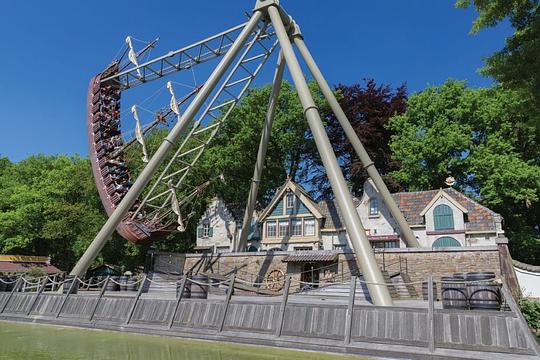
(446, 241)
(443, 217)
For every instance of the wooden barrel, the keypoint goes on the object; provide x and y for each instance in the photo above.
(111, 285)
(68, 280)
(483, 295)
(123, 283)
(454, 293)
(131, 284)
(425, 291)
(199, 291)
(2, 284)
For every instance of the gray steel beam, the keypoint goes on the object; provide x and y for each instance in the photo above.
(362, 248)
(405, 230)
(129, 199)
(261, 154)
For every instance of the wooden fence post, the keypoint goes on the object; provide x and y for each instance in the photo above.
(40, 290)
(349, 317)
(177, 305)
(431, 316)
(75, 280)
(227, 301)
(139, 292)
(15, 289)
(284, 299)
(101, 293)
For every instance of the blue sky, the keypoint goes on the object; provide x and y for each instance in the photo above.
(50, 49)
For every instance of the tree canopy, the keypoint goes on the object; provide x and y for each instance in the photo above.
(368, 107)
(517, 65)
(481, 138)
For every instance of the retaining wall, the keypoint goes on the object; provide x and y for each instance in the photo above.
(280, 321)
(418, 263)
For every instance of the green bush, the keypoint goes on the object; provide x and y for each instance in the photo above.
(35, 272)
(530, 309)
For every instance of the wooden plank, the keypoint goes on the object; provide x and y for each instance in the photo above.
(531, 341)
(431, 316)
(101, 293)
(350, 308)
(73, 282)
(130, 314)
(15, 288)
(182, 288)
(281, 316)
(40, 290)
(227, 301)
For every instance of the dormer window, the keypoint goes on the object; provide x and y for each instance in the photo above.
(206, 229)
(373, 207)
(443, 217)
(289, 200)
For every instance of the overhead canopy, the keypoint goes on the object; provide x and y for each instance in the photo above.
(310, 257)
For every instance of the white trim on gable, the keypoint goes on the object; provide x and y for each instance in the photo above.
(441, 194)
(304, 198)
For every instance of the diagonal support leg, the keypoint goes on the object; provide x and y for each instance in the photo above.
(129, 199)
(364, 253)
(261, 154)
(405, 230)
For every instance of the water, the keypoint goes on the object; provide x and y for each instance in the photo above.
(45, 342)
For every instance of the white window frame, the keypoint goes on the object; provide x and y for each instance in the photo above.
(373, 201)
(271, 225)
(312, 225)
(206, 229)
(294, 225)
(288, 227)
(289, 197)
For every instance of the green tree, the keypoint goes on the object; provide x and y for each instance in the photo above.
(480, 137)
(234, 150)
(49, 206)
(517, 65)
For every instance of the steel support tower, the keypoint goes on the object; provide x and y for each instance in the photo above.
(266, 14)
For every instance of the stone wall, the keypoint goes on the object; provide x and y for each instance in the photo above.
(417, 263)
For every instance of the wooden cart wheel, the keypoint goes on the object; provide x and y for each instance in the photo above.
(275, 280)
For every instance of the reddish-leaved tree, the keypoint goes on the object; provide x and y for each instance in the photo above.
(368, 107)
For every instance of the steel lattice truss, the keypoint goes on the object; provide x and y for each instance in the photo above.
(154, 213)
(157, 201)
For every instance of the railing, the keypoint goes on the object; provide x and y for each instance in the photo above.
(291, 287)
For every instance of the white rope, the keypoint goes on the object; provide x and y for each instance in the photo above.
(157, 282)
(8, 282)
(227, 281)
(261, 283)
(31, 283)
(90, 284)
(54, 282)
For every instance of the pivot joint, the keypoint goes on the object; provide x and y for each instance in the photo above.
(295, 31)
(263, 4)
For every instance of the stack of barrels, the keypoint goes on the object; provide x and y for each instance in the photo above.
(472, 290)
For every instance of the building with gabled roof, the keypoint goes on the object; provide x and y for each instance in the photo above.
(219, 228)
(438, 218)
(294, 221)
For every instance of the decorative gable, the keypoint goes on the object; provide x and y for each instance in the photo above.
(302, 203)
